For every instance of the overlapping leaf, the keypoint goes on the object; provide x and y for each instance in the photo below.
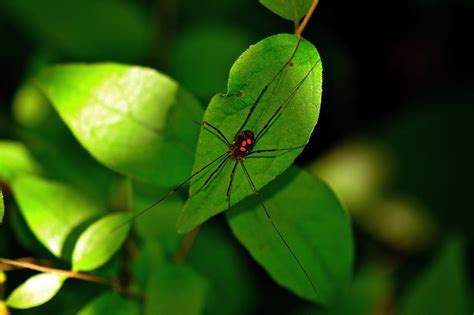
(15, 159)
(52, 209)
(312, 222)
(35, 291)
(297, 86)
(132, 119)
(100, 241)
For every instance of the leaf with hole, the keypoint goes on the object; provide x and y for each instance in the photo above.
(100, 241)
(129, 118)
(296, 87)
(292, 10)
(35, 291)
(312, 222)
(52, 209)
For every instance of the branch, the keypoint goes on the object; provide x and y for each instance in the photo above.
(71, 274)
(301, 27)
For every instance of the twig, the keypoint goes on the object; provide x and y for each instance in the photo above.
(71, 274)
(186, 245)
(301, 27)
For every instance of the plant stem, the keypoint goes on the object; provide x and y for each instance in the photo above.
(71, 274)
(301, 27)
(186, 245)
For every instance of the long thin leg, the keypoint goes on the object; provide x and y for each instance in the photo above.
(286, 102)
(223, 137)
(214, 172)
(276, 150)
(171, 192)
(229, 188)
(255, 190)
(265, 88)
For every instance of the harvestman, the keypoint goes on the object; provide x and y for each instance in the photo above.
(242, 146)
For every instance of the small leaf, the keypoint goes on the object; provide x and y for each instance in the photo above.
(312, 222)
(292, 10)
(111, 301)
(2, 207)
(52, 209)
(248, 76)
(134, 120)
(100, 241)
(15, 159)
(443, 287)
(35, 291)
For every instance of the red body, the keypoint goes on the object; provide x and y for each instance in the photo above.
(242, 145)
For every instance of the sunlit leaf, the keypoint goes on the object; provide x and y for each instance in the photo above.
(111, 301)
(100, 241)
(312, 222)
(35, 291)
(52, 209)
(15, 159)
(255, 68)
(134, 120)
(292, 10)
(443, 287)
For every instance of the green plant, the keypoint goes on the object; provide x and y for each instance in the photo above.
(135, 125)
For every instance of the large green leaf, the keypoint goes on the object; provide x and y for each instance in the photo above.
(443, 288)
(52, 209)
(251, 72)
(100, 241)
(15, 159)
(312, 222)
(108, 301)
(292, 10)
(134, 120)
(35, 291)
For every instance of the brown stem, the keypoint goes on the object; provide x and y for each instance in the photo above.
(71, 274)
(301, 27)
(186, 245)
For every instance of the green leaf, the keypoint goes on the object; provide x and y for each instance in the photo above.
(293, 127)
(15, 159)
(292, 10)
(443, 287)
(175, 290)
(35, 291)
(111, 301)
(100, 241)
(312, 222)
(52, 209)
(218, 257)
(77, 28)
(2, 207)
(134, 120)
